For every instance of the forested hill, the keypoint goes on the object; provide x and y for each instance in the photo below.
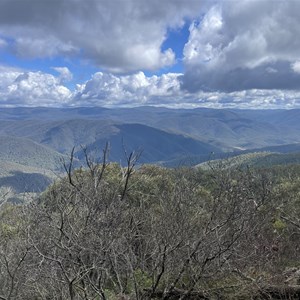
(227, 127)
(44, 137)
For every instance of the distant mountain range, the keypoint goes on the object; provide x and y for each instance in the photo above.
(42, 138)
(224, 128)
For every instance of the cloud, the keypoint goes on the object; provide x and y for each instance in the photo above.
(239, 53)
(108, 90)
(244, 45)
(39, 47)
(3, 43)
(25, 88)
(296, 66)
(19, 87)
(64, 72)
(105, 89)
(119, 36)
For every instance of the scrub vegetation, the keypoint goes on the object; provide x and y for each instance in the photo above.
(125, 232)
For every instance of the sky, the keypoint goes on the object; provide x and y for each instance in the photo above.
(173, 53)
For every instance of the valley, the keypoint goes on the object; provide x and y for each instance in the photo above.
(37, 141)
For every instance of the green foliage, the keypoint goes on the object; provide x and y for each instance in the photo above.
(10, 223)
(109, 232)
(139, 279)
(279, 225)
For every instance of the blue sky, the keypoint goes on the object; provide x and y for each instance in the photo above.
(174, 53)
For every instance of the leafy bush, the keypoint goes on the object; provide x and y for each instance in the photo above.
(108, 232)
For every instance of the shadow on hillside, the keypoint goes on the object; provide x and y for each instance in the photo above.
(26, 182)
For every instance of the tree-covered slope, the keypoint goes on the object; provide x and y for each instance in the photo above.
(29, 153)
(254, 159)
(227, 128)
(24, 179)
(155, 145)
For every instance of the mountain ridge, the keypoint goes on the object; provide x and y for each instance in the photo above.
(166, 136)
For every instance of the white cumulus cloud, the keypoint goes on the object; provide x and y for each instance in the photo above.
(65, 73)
(105, 89)
(19, 87)
(26, 88)
(237, 43)
(296, 66)
(239, 53)
(118, 35)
